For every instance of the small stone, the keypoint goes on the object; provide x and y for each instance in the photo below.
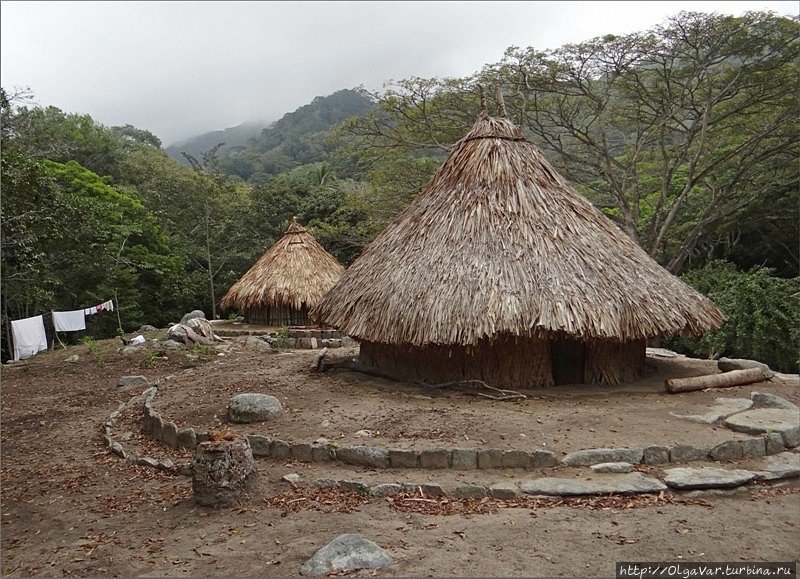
(728, 450)
(260, 445)
(403, 458)
(774, 443)
(386, 489)
(130, 381)
(427, 489)
(325, 483)
(544, 459)
(434, 458)
(686, 453)
(292, 477)
(464, 458)
(598, 455)
(753, 447)
(490, 458)
(504, 491)
(363, 456)
(469, 491)
(655, 454)
(612, 467)
(301, 451)
(516, 459)
(353, 486)
(280, 449)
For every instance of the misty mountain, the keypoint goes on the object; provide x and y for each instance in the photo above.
(254, 154)
(232, 137)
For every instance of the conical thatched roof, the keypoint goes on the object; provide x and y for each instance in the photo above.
(296, 271)
(498, 242)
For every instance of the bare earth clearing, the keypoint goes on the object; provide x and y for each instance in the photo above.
(69, 507)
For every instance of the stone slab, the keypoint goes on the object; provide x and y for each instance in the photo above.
(630, 483)
(763, 420)
(767, 400)
(721, 408)
(706, 477)
(780, 466)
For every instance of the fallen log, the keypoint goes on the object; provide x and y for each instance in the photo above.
(722, 380)
(318, 360)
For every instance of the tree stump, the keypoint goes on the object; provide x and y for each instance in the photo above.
(223, 472)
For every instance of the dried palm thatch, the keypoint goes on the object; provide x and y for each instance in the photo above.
(288, 279)
(498, 244)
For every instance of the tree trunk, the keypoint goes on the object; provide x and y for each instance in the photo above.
(723, 380)
(223, 472)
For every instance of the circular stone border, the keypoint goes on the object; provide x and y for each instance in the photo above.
(462, 459)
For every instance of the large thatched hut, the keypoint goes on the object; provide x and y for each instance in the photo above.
(285, 282)
(501, 271)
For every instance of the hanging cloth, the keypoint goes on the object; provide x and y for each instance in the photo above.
(69, 321)
(107, 306)
(29, 337)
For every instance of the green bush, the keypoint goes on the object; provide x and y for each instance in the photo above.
(762, 311)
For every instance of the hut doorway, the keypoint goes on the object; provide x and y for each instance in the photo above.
(569, 361)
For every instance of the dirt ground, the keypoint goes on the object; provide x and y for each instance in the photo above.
(71, 508)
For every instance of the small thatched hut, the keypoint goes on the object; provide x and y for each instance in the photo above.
(501, 271)
(285, 282)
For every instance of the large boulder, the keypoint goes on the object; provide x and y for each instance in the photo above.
(183, 334)
(729, 364)
(346, 553)
(202, 327)
(253, 407)
(192, 315)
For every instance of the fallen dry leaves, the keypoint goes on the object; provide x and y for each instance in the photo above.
(334, 500)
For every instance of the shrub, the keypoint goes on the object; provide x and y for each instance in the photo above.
(763, 317)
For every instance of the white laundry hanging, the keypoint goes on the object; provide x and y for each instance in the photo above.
(29, 337)
(69, 321)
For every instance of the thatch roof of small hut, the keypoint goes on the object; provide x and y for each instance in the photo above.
(296, 272)
(498, 243)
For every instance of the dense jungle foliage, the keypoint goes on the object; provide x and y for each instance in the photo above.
(685, 135)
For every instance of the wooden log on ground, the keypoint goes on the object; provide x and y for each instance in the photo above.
(317, 363)
(722, 380)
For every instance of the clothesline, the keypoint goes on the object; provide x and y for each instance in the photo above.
(30, 337)
(75, 320)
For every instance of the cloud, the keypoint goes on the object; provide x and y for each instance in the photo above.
(182, 68)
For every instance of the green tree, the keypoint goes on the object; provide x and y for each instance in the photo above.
(675, 130)
(214, 235)
(763, 317)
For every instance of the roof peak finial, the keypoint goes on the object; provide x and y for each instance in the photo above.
(483, 99)
(501, 105)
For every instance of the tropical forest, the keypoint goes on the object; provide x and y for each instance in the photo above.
(687, 136)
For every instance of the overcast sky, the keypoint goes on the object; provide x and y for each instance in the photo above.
(179, 69)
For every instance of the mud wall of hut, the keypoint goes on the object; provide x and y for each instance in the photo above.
(614, 362)
(279, 315)
(508, 362)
